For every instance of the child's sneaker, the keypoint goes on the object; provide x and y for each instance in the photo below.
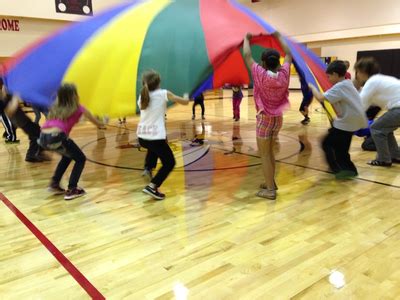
(153, 192)
(56, 189)
(12, 141)
(74, 193)
(147, 174)
(345, 175)
(306, 121)
(196, 142)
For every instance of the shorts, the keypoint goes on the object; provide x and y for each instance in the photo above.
(268, 126)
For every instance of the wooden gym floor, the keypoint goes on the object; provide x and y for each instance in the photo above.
(212, 235)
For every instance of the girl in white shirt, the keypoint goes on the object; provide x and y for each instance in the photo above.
(151, 130)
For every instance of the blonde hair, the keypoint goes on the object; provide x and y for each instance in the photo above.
(151, 81)
(66, 104)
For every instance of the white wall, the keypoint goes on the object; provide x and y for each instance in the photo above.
(339, 28)
(347, 49)
(30, 31)
(45, 9)
(306, 18)
(37, 19)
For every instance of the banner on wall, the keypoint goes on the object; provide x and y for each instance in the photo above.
(7, 24)
(76, 7)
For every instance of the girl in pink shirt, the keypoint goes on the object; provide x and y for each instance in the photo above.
(271, 92)
(64, 114)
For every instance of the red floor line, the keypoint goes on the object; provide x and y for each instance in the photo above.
(78, 276)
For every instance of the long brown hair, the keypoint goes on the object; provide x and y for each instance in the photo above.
(151, 81)
(66, 104)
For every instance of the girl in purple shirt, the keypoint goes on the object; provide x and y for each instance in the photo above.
(64, 114)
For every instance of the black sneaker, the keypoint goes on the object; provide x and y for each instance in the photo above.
(12, 142)
(306, 121)
(33, 159)
(74, 193)
(153, 192)
(346, 174)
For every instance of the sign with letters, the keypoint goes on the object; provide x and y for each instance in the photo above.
(76, 7)
(7, 24)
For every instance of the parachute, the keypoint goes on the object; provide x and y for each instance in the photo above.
(193, 44)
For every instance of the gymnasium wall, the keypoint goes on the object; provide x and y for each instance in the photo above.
(347, 48)
(29, 31)
(45, 9)
(311, 20)
(339, 28)
(36, 19)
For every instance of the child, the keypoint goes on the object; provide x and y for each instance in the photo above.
(18, 117)
(151, 130)
(122, 120)
(382, 91)
(237, 97)
(10, 133)
(351, 117)
(271, 91)
(198, 139)
(305, 103)
(198, 100)
(64, 114)
(347, 64)
(368, 144)
(307, 98)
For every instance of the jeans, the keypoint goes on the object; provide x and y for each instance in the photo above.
(158, 149)
(236, 107)
(336, 146)
(201, 103)
(21, 120)
(60, 143)
(382, 133)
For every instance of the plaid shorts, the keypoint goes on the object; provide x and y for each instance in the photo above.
(268, 126)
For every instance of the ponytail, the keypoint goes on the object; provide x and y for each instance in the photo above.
(144, 97)
(151, 81)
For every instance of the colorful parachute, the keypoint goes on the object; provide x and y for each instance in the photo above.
(193, 44)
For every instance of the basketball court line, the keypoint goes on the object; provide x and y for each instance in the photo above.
(67, 264)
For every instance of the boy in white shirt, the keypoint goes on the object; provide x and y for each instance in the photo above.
(382, 91)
